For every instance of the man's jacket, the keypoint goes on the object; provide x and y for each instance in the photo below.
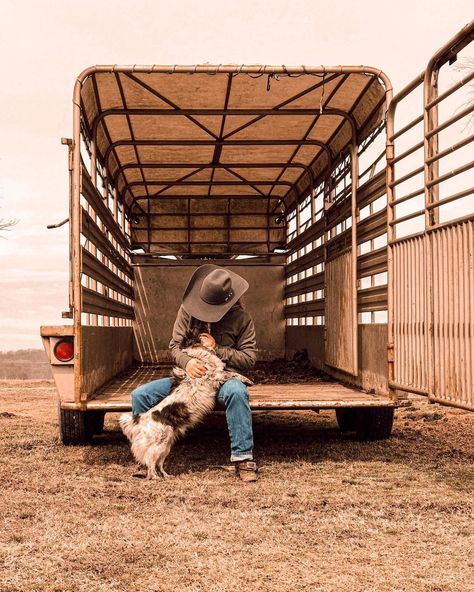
(234, 335)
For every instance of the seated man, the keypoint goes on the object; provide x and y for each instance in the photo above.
(211, 305)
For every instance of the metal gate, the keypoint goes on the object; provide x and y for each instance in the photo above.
(431, 234)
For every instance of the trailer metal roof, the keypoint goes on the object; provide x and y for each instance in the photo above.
(218, 141)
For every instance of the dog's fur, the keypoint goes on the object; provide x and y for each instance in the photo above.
(152, 434)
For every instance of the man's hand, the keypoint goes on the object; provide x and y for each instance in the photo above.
(195, 368)
(207, 340)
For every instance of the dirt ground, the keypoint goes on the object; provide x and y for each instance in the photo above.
(328, 513)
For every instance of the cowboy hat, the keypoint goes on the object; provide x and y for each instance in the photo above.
(211, 292)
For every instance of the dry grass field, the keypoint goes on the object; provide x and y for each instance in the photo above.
(328, 514)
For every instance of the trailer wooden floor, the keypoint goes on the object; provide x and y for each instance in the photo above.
(318, 395)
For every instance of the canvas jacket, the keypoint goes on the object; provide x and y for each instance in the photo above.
(234, 335)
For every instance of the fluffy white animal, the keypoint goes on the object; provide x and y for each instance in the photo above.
(152, 434)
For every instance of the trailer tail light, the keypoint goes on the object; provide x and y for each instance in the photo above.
(64, 350)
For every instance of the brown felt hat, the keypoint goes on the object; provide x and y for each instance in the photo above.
(211, 292)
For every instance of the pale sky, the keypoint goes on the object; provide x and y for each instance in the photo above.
(45, 44)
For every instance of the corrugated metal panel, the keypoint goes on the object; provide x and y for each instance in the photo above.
(410, 313)
(340, 313)
(453, 313)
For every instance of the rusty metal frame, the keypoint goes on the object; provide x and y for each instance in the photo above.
(432, 180)
(76, 215)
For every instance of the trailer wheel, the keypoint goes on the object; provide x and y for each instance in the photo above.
(75, 427)
(96, 421)
(347, 419)
(374, 423)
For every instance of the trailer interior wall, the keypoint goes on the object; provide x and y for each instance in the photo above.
(372, 345)
(311, 248)
(159, 287)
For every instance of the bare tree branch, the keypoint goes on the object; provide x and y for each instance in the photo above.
(6, 225)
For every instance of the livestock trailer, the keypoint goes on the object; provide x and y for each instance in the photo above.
(344, 219)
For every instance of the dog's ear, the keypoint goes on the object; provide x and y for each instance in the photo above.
(228, 374)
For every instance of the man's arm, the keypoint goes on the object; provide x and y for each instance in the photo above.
(243, 356)
(180, 329)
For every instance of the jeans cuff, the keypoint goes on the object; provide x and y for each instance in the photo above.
(239, 457)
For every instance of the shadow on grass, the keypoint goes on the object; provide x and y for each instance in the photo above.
(284, 437)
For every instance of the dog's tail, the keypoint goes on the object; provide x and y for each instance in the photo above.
(127, 421)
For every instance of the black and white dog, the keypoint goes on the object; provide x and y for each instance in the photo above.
(152, 434)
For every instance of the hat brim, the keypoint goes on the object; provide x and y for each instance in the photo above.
(210, 313)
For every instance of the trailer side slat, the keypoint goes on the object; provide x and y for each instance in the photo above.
(95, 269)
(93, 233)
(95, 200)
(96, 303)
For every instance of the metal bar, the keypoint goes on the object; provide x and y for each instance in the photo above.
(130, 128)
(408, 152)
(209, 227)
(451, 149)
(261, 112)
(166, 100)
(433, 131)
(75, 238)
(182, 165)
(404, 198)
(238, 214)
(450, 90)
(408, 127)
(353, 124)
(238, 181)
(213, 242)
(407, 389)
(283, 104)
(354, 238)
(157, 259)
(451, 198)
(451, 174)
(184, 142)
(453, 222)
(311, 127)
(249, 196)
(407, 217)
(408, 175)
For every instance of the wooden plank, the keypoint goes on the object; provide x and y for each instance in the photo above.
(93, 233)
(98, 271)
(96, 303)
(372, 226)
(374, 298)
(371, 190)
(96, 201)
(293, 396)
(314, 282)
(305, 309)
(310, 234)
(372, 263)
(310, 259)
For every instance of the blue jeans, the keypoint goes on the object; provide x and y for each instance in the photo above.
(232, 396)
